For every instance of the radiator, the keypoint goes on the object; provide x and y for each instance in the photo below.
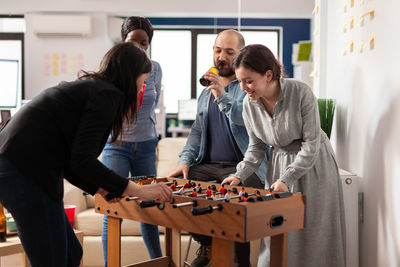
(350, 197)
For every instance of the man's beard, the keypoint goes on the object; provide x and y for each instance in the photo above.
(224, 72)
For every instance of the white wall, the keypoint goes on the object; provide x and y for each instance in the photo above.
(165, 8)
(36, 48)
(367, 128)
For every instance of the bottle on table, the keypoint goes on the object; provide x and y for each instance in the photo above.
(3, 225)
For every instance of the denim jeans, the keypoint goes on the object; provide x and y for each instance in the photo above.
(43, 227)
(136, 158)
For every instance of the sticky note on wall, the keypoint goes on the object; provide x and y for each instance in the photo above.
(371, 42)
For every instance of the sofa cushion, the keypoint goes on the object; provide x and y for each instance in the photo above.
(91, 223)
(168, 151)
(89, 201)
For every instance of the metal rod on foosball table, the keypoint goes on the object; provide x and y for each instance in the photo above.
(131, 198)
(184, 204)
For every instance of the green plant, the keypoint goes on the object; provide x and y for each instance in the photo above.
(326, 111)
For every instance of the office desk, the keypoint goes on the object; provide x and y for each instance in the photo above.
(180, 129)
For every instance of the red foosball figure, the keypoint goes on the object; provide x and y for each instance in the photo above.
(139, 183)
(208, 191)
(222, 190)
(173, 185)
(187, 184)
(194, 193)
(154, 181)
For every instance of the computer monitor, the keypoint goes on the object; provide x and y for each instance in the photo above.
(9, 83)
(187, 109)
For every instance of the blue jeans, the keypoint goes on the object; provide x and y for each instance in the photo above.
(136, 158)
(43, 227)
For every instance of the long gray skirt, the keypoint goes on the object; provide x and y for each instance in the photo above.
(322, 241)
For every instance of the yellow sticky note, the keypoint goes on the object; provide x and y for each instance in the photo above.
(351, 22)
(371, 42)
(361, 21)
(55, 71)
(54, 63)
(351, 46)
(371, 14)
(54, 56)
(352, 3)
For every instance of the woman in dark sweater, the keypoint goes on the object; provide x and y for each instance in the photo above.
(60, 134)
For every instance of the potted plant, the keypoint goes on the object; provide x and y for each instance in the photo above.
(326, 111)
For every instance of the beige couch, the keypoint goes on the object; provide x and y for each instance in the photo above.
(132, 245)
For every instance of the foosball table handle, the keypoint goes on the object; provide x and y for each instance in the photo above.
(147, 203)
(206, 209)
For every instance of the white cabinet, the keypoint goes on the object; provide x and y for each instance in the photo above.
(350, 197)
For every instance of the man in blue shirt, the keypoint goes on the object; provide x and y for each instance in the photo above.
(218, 139)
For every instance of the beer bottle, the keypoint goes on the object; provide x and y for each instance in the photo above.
(203, 81)
(3, 225)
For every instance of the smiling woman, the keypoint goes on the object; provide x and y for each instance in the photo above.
(283, 114)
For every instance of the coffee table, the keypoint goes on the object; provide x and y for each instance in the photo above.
(13, 246)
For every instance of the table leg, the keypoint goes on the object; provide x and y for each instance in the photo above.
(25, 260)
(173, 246)
(114, 242)
(279, 244)
(222, 252)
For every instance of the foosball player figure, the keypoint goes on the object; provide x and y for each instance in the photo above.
(154, 181)
(187, 184)
(194, 193)
(222, 190)
(242, 191)
(198, 188)
(214, 195)
(140, 183)
(243, 197)
(208, 191)
(173, 185)
(180, 191)
(228, 196)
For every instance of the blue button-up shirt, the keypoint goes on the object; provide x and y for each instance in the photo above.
(230, 102)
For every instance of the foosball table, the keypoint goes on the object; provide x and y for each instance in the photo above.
(226, 213)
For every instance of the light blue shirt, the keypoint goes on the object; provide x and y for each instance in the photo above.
(145, 125)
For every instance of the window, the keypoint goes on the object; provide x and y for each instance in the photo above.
(172, 49)
(12, 54)
(185, 55)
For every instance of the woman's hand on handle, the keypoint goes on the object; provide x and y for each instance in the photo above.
(280, 186)
(231, 180)
(160, 192)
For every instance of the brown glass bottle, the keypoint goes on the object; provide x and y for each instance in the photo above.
(3, 225)
(203, 81)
